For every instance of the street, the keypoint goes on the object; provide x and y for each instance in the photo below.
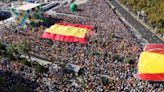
(137, 25)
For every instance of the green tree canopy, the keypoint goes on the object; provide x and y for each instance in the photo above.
(39, 68)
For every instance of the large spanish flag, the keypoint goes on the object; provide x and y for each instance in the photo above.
(151, 63)
(67, 32)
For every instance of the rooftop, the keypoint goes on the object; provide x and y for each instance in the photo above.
(27, 6)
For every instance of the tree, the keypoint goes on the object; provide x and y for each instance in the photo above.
(26, 62)
(122, 1)
(24, 48)
(39, 68)
(153, 18)
(10, 48)
(160, 22)
(11, 51)
(132, 2)
(141, 4)
(160, 31)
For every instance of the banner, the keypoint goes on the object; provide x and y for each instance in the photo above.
(151, 63)
(67, 32)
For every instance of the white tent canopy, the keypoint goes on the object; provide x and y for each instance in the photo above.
(27, 6)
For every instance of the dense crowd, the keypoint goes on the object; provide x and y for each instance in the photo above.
(14, 72)
(105, 53)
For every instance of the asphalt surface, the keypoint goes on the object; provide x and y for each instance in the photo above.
(146, 34)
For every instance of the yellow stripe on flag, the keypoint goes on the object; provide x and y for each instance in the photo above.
(150, 62)
(67, 30)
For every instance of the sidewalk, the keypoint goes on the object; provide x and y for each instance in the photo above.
(139, 20)
(40, 61)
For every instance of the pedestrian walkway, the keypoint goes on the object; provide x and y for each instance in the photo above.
(40, 61)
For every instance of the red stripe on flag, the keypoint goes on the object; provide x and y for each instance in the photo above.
(156, 48)
(63, 37)
(76, 25)
(153, 77)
